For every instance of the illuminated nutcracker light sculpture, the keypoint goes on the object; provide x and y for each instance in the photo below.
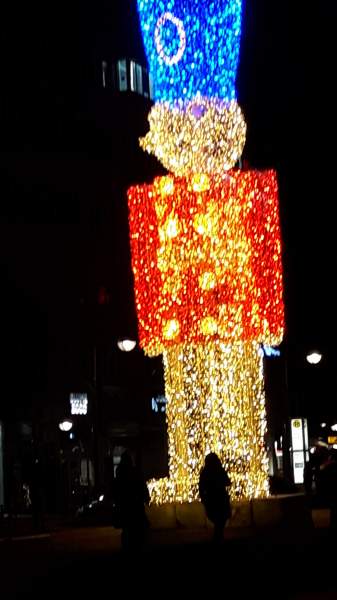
(206, 250)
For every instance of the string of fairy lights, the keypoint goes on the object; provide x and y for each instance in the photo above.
(191, 46)
(207, 259)
(206, 251)
(204, 135)
(200, 401)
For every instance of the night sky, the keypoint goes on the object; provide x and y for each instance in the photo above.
(63, 215)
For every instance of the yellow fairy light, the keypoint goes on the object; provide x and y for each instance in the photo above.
(212, 253)
(166, 185)
(207, 412)
(171, 329)
(188, 141)
(207, 280)
(172, 227)
(208, 326)
(207, 223)
(200, 182)
(206, 253)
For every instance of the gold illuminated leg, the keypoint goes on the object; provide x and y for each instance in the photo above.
(215, 403)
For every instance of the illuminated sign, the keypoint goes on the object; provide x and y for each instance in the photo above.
(158, 404)
(269, 351)
(79, 404)
(300, 447)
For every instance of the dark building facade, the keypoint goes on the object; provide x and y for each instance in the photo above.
(69, 155)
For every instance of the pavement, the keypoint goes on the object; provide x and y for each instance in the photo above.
(295, 563)
(21, 526)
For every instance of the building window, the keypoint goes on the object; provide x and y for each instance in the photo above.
(150, 86)
(133, 76)
(146, 89)
(122, 76)
(104, 68)
(127, 75)
(139, 79)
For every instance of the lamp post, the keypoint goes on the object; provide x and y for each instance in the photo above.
(65, 426)
(125, 344)
(299, 422)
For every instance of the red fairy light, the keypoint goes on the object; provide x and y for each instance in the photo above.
(206, 257)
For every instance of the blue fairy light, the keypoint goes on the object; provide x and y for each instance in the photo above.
(192, 47)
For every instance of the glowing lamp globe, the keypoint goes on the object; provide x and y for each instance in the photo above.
(66, 425)
(126, 345)
(314, 358)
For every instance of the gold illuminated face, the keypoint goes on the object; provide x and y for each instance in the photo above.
(205, 135)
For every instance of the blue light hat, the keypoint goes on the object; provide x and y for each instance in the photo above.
(192, 47)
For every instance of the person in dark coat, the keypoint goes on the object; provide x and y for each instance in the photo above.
(308, 476)
(38, 495)
(328, 485)
(213, 484)
(131, 495)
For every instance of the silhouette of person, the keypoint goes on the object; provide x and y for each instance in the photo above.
(37, 495)
(213, 484)
(131, 495)
(328, 474)
(308, 473)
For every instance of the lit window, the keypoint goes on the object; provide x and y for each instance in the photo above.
(133, 76)
(151, 87)
(139, 79)
(146, 84)
(122, 76)
(104, 67)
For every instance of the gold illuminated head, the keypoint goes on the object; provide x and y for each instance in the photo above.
(204, 135)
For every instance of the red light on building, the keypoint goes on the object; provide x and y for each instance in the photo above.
(103, 297)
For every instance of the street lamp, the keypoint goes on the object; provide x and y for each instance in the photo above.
(126, 345)
(66, 425)
(313, 358)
